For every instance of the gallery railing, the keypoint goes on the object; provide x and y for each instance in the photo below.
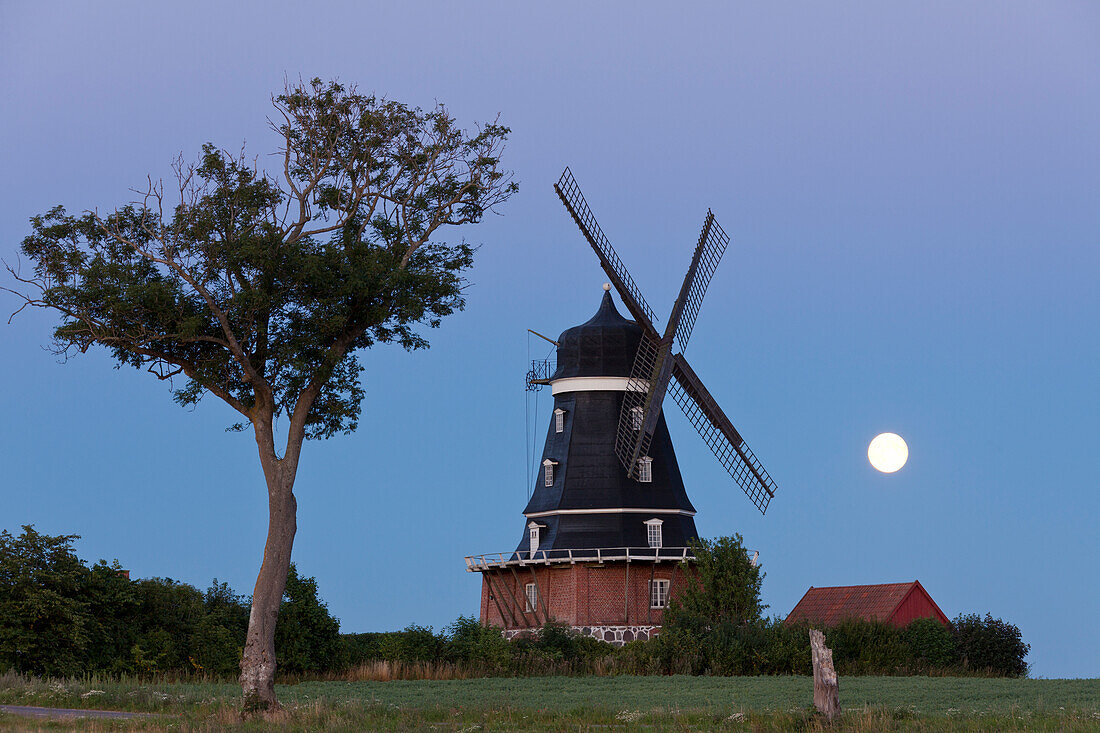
(478, 563)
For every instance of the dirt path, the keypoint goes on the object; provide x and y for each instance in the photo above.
(29, 711)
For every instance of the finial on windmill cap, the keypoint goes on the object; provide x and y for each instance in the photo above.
(607, 286)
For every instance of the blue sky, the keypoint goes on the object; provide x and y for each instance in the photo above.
(911, 191)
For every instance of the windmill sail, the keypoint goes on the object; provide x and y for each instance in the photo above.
(713, 241)
(645, 390)
(570, 194)
(653, 366)
(718, 433)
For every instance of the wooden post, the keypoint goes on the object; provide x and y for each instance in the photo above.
(826, 685)
(538, 593)
(626, 592)
(519, 607)
(649, 605)
(671, 585)
(500, 610)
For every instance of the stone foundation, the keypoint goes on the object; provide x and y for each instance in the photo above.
(619, 635)
(616, 635)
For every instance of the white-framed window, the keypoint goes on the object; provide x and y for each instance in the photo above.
(658, 593)
(559, 420)
(645, 470)
(532, 592)
(636, 418)
(535, 530)
(653, 532)
(548, 472)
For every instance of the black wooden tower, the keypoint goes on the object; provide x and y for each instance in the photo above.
(583, 497)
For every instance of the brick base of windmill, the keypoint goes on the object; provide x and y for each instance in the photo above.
(614, 602)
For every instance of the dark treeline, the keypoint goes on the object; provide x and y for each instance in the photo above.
(59, 617)
(971, 645)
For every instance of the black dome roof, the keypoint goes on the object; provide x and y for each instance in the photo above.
(602, 346)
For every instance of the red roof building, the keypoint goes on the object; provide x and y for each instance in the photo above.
(894, 603)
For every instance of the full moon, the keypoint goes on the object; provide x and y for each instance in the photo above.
(887, 452)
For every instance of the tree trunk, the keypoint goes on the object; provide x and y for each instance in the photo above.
(258, 661)
(826, 685)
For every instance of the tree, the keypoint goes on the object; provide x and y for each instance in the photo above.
(262, 290)
(990, 644)
(723, 586)
(44, 624)
(307, 636)
(114, 602)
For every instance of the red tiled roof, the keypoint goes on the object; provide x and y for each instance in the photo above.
(829, 605)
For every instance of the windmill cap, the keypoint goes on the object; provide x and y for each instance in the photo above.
(602, 346)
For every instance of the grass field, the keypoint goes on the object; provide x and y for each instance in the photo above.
(571, 703)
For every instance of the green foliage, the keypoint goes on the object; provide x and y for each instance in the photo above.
(866, 647)
(167, 613)
(413, 644)
(44, 620)
(58, 617)
(307, 637)
(931, 645)
(214, 649)
(723, 587)
(361, 647)
(557, 643)
(991, 644)
(114, 603)
(788, 648)
(470, 642)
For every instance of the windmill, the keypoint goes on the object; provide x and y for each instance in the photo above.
(657, 369)
(608, 527)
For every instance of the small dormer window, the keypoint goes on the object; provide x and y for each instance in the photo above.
(653, 533)
(645, 470)
(559, 420)
(534, 536)
(636, 418)
(548, 472)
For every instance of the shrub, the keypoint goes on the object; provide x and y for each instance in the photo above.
(990, 644)
(307, 637)
(866, 647)
(361, 648)
(214, 649)
(680, 649)
(931, 645)
(60, 618)
(788, 648)
(639, 658)
(164, 617)
(45, 624)
(471, 643)
(723, 586)
(412, 644)
(693, 647)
